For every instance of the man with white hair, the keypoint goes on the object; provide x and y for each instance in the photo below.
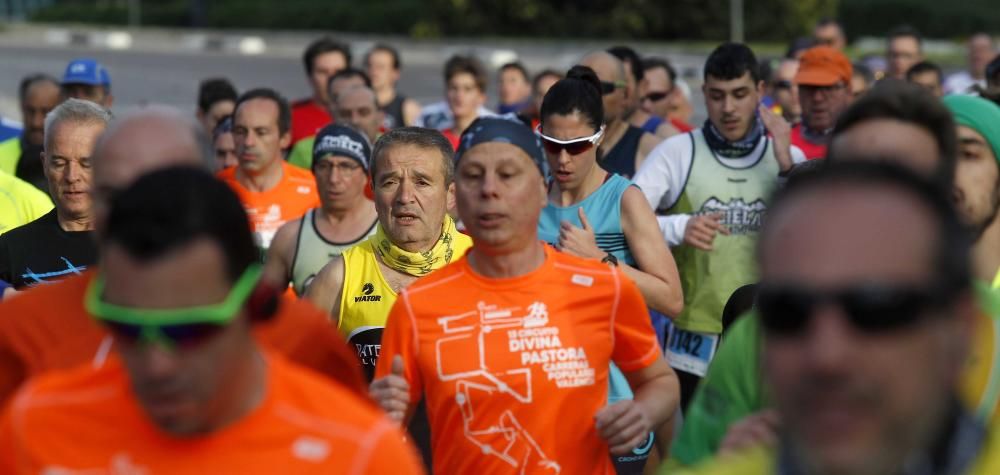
(59, 244)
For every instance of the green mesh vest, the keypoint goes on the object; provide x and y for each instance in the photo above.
(740, 194)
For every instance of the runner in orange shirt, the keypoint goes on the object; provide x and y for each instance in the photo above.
(272, 191)
(510, 346)
(47, 327)
(188, 389)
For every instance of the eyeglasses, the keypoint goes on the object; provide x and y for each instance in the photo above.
(824, 91)
(608, 87)
(783, 84)
(573, 147)
(181, 327)
(786, 310)
(656, 96)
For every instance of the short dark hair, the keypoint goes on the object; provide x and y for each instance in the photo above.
(396, 61)
(903, 31)
(224, 126)
(516, 66)
(322, 46)
(544, 74)
(993, 70)
(31, 80)
(731, 61)
(910, 103)
(349, 73)
(172, 207)
(798, 45)
(214, 90)
(654, 62)
(419, 137)
(628, 55)
(459, 64)
(284, 111)
(829, 21)
(579, 91)
(925, 67)
(950, 261)
(862, 70)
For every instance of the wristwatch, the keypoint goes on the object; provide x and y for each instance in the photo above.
(610, 259)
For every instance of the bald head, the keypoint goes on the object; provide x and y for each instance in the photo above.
(144, 140)
(607, 67)
(611, 70)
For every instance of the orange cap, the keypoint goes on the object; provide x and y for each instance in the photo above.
(823, 66)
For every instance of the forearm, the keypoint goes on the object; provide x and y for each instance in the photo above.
(659, 397)
(672, 228)
(658, 293)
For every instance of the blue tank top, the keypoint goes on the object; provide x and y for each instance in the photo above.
(621, 158)
(604, 211)
(651, 124)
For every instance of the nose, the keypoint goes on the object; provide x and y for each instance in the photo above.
(728, 104)
(74, 171)
(829, 340)
(405, 192)
(490, 185)
(157, 361)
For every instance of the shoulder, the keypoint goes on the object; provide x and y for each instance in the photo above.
(52, 396)
(286, 234)
(304, 103)
(227, 174)
(26, 232)
(306, 397)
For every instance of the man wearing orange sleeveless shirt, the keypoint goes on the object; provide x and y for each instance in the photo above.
(48, 328)
(188, 389)
(272, 191)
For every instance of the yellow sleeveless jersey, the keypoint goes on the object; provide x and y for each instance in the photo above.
(367, 298)
(980, 382)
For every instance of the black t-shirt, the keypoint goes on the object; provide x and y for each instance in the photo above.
(41, 251)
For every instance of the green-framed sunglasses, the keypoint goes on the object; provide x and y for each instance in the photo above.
(180, 327)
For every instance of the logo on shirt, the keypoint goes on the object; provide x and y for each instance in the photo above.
(311, 449)
(366, 291)
(304, 190)
(32, 278)
(738, 216)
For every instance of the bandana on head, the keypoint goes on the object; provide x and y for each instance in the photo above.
(978, 114)
(417, 263)
(740, 148)
(503, 129)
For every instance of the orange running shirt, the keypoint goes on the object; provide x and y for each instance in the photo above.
(514, 370)
(88, 421)
(46, 328)
(290, 199)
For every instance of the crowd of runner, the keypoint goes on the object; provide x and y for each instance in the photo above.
(576, 281)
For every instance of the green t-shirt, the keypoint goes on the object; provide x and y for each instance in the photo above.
(301, 154)
(20, 202)
(730, 391)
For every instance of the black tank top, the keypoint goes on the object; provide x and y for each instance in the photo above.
(394, 112)
(621, 158)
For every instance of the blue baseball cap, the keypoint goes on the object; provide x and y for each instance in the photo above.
(86, 71)
(503, 129)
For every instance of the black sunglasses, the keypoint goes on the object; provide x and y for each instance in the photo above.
(783, 84)
(786, 310)
(656, 96)
(607, 87)
(176, 336)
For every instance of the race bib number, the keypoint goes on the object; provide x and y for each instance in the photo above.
(689, 351)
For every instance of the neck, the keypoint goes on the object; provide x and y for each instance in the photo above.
(385, 94)
(419, 246)
(986, 252)
(247, 386)
(571, 196)
(336, 216)
(74, 223)
(613, 133)
(267, 178)
(505, 264)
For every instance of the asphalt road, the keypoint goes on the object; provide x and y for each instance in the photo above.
(140, 77)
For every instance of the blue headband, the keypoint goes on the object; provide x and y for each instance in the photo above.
(503, 129)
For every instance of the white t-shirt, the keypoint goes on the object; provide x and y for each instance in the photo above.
(961, 83)
(665, 171)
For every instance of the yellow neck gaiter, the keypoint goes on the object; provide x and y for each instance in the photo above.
(417, 263)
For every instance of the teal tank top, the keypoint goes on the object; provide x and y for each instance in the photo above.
(604, 211)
